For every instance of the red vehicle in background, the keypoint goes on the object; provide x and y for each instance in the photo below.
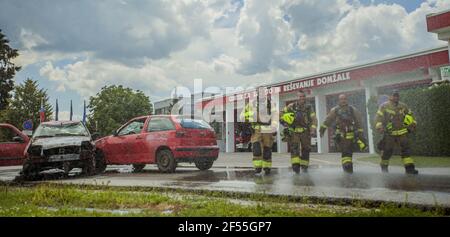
(243, 141)
(12, 145)
(164, 140)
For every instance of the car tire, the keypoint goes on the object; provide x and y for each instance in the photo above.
(138, 168)
(89, 166)
(100, 162)
(30, 171)
(165, 161)
(204, 164)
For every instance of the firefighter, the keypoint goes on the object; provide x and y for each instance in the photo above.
(348, 130)
(394, 120)
(300, 122)
(264, 122)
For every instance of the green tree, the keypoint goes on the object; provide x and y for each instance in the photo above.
(7, 70)
(114, 106)
(26, 103)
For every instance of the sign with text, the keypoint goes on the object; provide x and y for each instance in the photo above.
(445, 73)
(315, 82)
(251, 95)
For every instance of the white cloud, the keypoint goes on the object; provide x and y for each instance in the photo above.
(265, 34)
(30, 40)
(52, 73)
(110, 30)
(368, 33)
(225, 64)
(88, 76)
(155, 46)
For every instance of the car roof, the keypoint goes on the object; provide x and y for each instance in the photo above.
(160, 115)
(175, 116)
(63, 122)
(165, 116)
(7, 125)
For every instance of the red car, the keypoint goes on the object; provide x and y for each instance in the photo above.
(164, 140)
(12, 145)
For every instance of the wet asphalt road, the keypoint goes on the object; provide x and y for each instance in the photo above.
(325, 180)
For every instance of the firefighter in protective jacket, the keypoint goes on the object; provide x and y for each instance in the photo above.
(264, 123)
(394, 120)
(348, 130)
(300, 122)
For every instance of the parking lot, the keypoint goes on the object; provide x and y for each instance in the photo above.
(233, 172)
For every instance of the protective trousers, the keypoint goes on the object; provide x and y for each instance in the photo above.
(300, 146)
(388, 148)
(346, 146)
(262, 149)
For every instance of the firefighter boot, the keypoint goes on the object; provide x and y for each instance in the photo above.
(304, 168)
(296, 168)
(384, 169)
(348, 168)
(266, 171)
(411, 169)
(258, 170)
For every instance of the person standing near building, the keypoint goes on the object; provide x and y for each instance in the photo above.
(394, 120)
(349, 129)
(263, 119)
(300, 122)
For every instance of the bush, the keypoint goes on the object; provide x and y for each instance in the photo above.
(431, 108)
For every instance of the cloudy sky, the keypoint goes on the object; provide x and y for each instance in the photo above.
(73, 48)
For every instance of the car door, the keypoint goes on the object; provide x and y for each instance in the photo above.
(12, 145)
(159, 131)
(117, 146)
(134, 141)
(114, 149)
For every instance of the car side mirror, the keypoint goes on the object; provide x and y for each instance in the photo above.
(18, 139)
(115, 133)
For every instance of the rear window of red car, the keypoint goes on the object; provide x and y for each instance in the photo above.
(160, 124)
(193, 123)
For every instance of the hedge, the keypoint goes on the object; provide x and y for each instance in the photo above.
(431, 108)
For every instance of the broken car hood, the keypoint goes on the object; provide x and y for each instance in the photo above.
(52, 142)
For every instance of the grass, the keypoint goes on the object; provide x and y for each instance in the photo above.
(420, 161)
(73, 200)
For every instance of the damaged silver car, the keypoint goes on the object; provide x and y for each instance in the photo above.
(60, 145)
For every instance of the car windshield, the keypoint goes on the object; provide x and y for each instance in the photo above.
(193, 123)
(54, 130)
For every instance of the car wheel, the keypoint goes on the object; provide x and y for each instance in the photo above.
(165, 161)
(30, 171)
(89, 166)
(100, 162)
(138, 167)
(204, 164)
